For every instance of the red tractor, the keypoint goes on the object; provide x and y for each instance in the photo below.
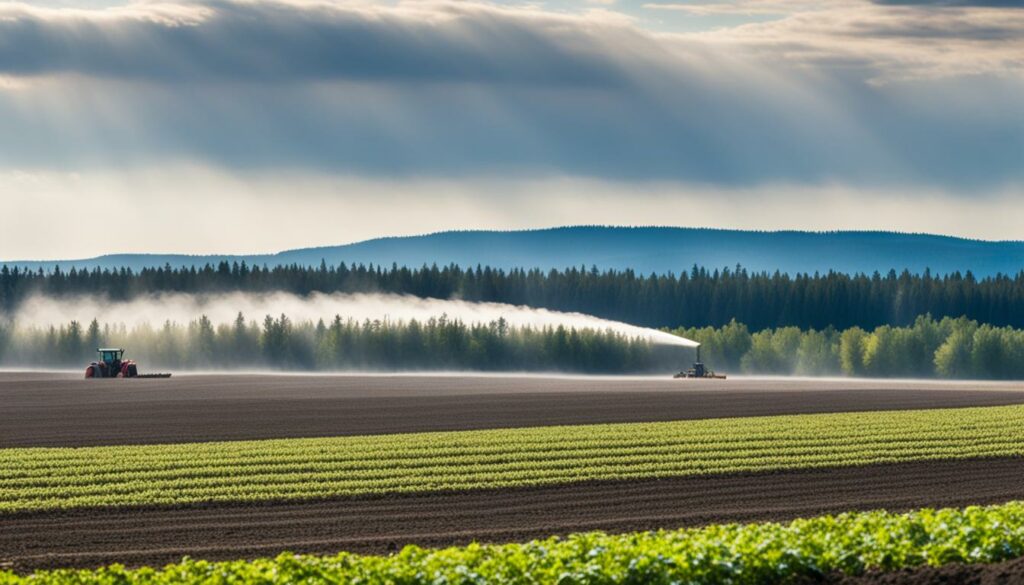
(112, 365)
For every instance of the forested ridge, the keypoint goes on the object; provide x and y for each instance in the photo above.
(645, 249)
(697, 297)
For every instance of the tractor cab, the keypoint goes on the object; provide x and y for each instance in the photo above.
(110, 356)
(111, 365)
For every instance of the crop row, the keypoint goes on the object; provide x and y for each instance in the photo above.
(43, 478)
(740, 554)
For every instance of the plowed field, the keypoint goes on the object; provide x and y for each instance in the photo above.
(46, 410)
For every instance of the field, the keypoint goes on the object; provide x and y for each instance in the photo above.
(47, 410)
(747, 554)
(225, 467)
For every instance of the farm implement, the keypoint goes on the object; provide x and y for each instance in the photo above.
(113, 365)
(699, 370)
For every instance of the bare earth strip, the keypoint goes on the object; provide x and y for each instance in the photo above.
(136, 536)
(1003, 573)
(63, 410)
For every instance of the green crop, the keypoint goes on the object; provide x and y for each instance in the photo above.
(738, 554)
(44, 478)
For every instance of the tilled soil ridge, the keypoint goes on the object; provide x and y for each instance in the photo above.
(47, 411)
(156, 536)
(1004, 573)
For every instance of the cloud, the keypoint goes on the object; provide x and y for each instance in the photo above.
(957, 3)
(269, 41)
(836, 92)
(887, 43)
(790, 7)
(439, 41)
(739, 7)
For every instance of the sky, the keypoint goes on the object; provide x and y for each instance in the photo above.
(245, 126)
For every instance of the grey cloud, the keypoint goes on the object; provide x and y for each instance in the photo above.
(467, 90)
(955, 3)
(926, 31)
(913, 28)
(270, 41)
(691, 130)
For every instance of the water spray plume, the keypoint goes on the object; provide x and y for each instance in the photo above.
(44, 311)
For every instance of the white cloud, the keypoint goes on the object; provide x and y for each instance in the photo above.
(883, 42)
(743, 7)
(161, 13)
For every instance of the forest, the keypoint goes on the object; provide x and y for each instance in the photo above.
(697, 297)
(946, 348)
(341, 344)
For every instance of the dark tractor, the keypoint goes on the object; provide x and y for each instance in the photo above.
(699, 370)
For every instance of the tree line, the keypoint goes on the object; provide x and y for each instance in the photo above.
(694, 298)
(945, 348)
(339, 344)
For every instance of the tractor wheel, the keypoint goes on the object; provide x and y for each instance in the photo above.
(133, 371)
(89, 373)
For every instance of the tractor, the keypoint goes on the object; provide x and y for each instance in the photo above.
(699, 370)
(113, 365)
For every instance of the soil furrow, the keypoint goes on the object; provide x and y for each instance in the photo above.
(55, 411)
(156, 535)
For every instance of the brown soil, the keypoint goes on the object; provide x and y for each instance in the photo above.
(1004, 573)
(137, 536)
(49, 410)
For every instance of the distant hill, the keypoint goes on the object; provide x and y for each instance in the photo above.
(644, 249)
